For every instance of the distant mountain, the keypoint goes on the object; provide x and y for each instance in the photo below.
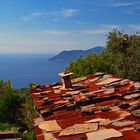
(66, 56)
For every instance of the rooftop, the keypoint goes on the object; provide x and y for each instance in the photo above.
(96, 107)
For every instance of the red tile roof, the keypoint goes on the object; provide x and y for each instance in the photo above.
(65, 105)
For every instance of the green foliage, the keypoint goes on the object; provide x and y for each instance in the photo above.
(5, 126)
(28, 135)
(121, 57)
(28, 109)
(124, 52)
(90, 64)
(16, 109)
(10, 102)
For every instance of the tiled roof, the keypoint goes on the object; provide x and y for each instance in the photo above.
(93, 97)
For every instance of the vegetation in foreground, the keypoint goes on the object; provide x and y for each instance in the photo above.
(16, 111)
(121, 58)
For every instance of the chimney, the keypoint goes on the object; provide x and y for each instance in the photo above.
(66, 79)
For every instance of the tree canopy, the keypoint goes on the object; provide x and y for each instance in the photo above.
(16, 109)
(121, 57)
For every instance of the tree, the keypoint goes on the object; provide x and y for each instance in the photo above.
(16, 109)
(121, 57)
(124, 50)
(91, 64)
(10, 102)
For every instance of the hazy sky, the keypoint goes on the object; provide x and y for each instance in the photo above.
(50, 26)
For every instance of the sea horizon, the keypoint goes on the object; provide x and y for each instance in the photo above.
(22, 69)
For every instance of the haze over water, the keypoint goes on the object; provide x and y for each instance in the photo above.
(51, 26)
(23, 69)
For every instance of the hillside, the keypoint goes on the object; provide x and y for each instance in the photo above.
(66, 56)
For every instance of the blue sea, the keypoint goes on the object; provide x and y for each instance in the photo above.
(23, 69)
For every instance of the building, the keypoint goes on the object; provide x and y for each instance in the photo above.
(93, 107)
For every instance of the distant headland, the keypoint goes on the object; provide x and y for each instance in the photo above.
(71, 55)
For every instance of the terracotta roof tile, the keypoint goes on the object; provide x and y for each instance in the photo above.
(109, 96)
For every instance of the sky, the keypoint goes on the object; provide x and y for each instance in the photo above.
(50, 26)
